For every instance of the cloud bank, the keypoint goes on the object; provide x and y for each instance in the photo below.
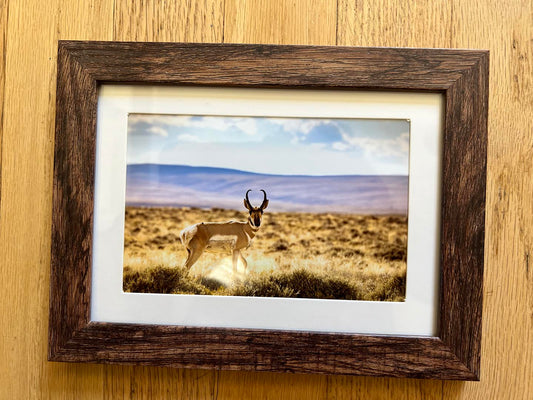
(290, 146)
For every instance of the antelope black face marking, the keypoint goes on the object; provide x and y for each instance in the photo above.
(256, 213)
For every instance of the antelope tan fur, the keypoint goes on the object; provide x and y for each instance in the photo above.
(227, 237)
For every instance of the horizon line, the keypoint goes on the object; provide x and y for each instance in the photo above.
(263, 173)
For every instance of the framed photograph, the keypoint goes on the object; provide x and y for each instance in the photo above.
(272, 208)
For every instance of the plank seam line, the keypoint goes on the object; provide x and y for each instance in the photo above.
(113, 34)
(4, 102)
(224, 21)
(337, 24)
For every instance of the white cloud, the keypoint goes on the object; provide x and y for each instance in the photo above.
(297, 125)
(393, 147)
(403, 141)
(157, 130)
(187, 137)
(246, 125)
(360, 148)
(340, 146)
(151, 119)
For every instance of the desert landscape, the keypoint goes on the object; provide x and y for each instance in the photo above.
(300, 255)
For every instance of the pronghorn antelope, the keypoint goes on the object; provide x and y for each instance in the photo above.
(231, 236)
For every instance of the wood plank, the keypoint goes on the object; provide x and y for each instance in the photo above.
(392, 23)
(340, 387)
(169, 21)
(24, 237)
(280, 22)
(26, 167)
(134, 382)
(33, 30)
(5, 337)
(507, 346)
(190, 21)
(89, 20)
(62, 381)
(4, 13)
(254, 385)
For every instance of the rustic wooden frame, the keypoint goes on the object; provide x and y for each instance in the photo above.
(462, 77)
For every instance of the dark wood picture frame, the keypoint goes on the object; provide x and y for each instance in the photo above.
(460, 75)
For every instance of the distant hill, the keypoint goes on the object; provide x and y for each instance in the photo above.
(207, 187)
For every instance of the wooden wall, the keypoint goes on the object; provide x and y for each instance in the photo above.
(29, 31)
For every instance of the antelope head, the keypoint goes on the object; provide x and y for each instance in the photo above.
(256, 213)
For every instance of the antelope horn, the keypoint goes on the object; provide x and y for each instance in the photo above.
(247, 199)
(265, 200)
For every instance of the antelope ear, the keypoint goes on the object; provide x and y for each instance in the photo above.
(247, 205)
(264, 205)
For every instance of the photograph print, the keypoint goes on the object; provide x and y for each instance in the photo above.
(266, 206)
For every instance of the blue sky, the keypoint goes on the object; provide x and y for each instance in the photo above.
(286, 146)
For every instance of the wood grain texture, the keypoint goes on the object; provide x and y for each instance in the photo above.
(464, 165)
(4, 13)
(389, 24)
(25, 226)
(311, 22)
(268, 385)
(169, 21)
(502, 27)
(239, 349)
(240, 65)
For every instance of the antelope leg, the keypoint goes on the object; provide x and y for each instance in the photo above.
(243, 260)
(236, 254)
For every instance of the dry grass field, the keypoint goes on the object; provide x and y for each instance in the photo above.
(325, 256)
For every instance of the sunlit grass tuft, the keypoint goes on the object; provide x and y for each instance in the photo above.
(296, 283)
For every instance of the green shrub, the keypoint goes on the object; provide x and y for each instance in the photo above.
(389, 288)
(161, 279)
(299, 283)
